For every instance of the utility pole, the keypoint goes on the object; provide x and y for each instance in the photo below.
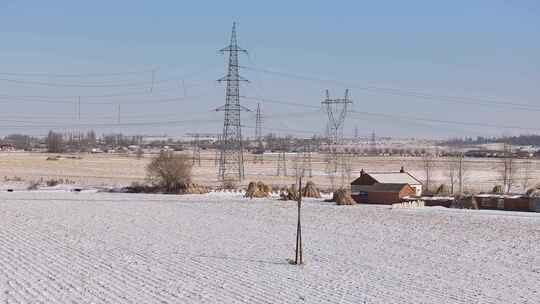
(298, 260)
(336, 109)
(153, 80)
(118, 121)
(196, 145)
(282, 159)
(460, 172)
(78, 129)
(218, 148)
(306, 161)
(231, 160)
(196, 150)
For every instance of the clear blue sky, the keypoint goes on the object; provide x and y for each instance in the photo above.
(415, 53)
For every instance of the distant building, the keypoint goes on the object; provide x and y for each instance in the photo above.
(385, 187)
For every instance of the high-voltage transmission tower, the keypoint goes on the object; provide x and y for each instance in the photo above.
(231, 158)
(337, 161)
(373, 144)
(258, 135)
(336, 109)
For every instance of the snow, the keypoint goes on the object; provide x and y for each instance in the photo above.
(220, 248)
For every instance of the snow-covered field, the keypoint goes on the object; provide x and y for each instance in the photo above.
(219, 248)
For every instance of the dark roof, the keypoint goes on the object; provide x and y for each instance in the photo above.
(382, 187)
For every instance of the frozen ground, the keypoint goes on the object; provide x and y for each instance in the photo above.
(121, 248)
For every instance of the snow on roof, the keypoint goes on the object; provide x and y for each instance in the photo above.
(395, 178)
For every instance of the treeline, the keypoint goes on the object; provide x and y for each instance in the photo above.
(58, 142)
(521, 140)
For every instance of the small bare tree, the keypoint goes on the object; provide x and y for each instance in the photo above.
(139, 153)
(452, 174)
(456, 172)
(171, 172)
(508, 170)
(525, 173)
(428, 164)
(55, 143)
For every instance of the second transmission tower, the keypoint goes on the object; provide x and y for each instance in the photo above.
(258, 136)
(337, 161)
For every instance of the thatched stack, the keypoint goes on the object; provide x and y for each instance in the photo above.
(192, 188)
(533, 192)
(310, 190)
(257, 190)
(465, 202)
(289, 194)
(497, 189)
(342, 197)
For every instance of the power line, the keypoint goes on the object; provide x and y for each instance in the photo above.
(407, 93)
(81, 75)
(408, 118)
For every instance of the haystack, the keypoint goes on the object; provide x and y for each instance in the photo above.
(533, 192)
(289, 194)
(342, 197)
(192, 188)
(310, 190)
(497, 189)
(257, 190)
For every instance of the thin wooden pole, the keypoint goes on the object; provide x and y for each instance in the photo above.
(299, 259)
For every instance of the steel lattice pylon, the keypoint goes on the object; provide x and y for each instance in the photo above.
(337, 161)
(258, 136)
(231, 159)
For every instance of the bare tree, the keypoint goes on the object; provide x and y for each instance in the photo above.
(525, 173)
(508, 170)
(452, 173)
(461, 171)
(139, 153)
(428, 164)
(55, 143)
(171, 172)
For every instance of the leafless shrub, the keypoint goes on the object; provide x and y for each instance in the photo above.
(33, 185)
(55, 143)
(52, 182)
(170, 172)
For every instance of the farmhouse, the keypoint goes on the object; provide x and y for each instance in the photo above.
(385, 187)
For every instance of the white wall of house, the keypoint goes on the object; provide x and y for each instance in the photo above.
(417, 189)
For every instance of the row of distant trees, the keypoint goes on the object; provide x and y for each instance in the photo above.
(521, 140)
(511, 172)
(57, 142)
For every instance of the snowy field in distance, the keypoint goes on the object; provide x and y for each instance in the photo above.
(220, 248)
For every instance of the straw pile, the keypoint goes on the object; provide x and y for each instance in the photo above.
(533, 192)
(310, 190)
(342, 197)
(257, 190)
(497, 189)
(289, 194)
(192, 188)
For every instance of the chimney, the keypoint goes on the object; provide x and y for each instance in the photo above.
(362, 172)
(402, 170)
